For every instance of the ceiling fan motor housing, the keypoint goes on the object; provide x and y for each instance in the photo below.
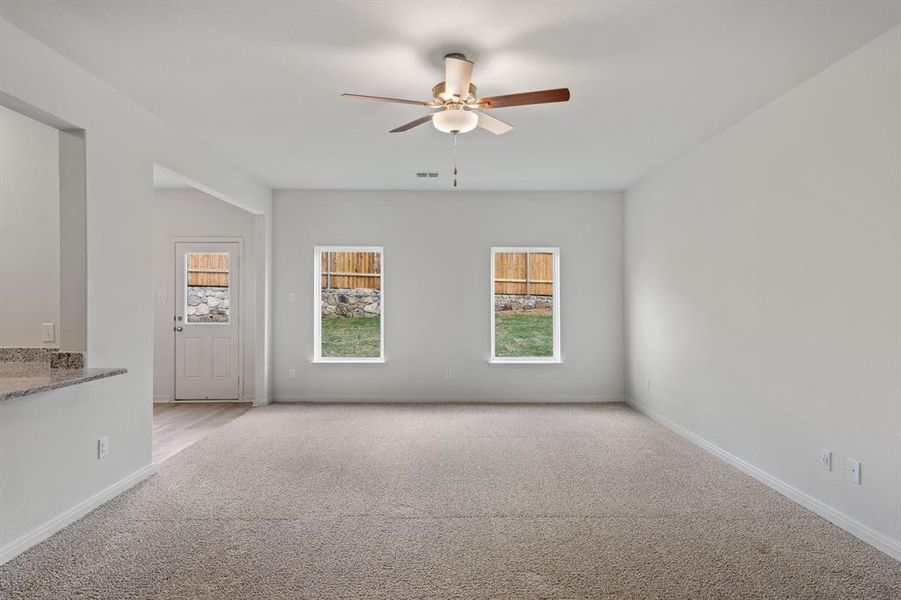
(440, 94)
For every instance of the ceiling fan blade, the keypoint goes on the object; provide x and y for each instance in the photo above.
(495, 126)
(384, 99)
(457, 75)
(541, 97)
(413, 124)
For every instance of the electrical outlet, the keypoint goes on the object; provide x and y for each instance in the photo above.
(48, 332)
(826, 459)
(102, 447)
(854, 471)
(292, 297)
(292, 373)
(448, 373)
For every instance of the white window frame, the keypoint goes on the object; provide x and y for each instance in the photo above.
(317, 306)
(556, 358)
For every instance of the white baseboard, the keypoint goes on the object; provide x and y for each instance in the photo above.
(852, 526)
(163, 398)
(232, 401)
(382, 399)
(41, 533)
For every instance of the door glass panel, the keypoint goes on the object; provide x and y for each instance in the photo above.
(207, 287)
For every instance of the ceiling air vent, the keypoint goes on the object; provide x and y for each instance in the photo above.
(427, 174)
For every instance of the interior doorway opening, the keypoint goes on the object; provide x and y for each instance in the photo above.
(206, 312)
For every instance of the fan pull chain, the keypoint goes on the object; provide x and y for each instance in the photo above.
(455, 159)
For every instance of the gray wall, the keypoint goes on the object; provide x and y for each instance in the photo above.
(763, 288)
(431, 238)
(29, 229)
(73, 242)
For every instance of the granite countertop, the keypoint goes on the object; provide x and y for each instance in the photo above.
(25, 378)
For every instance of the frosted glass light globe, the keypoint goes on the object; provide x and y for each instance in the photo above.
(455, 120)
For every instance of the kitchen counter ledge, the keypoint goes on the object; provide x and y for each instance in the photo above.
(25, 378)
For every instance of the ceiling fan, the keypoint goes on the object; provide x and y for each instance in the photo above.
(459, 108)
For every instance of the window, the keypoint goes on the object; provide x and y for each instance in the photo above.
(525, 305)
(350, 304)
(207, 287)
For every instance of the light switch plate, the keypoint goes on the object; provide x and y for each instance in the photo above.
(102, 447)
(48, 332)
(826, 459)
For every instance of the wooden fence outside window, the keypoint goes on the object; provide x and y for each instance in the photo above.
(361, 270)
(515, 273)
(524, 273)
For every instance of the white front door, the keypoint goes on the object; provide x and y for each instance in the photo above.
(206, 321)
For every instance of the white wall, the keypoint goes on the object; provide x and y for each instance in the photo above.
(763, 288)
(191, 213)
(430, 239)
(29, 229)
(56, 433)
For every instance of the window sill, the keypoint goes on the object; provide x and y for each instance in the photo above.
(346, 361)
(525, 361)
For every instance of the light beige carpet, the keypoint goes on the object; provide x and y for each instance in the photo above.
(449, 501)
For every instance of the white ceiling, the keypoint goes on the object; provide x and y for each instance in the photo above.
(260, 81)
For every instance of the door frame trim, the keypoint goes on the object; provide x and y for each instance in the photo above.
(174, 241)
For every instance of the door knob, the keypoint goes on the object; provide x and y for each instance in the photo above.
(179, 328)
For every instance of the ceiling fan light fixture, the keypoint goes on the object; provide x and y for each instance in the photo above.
(456, 120)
